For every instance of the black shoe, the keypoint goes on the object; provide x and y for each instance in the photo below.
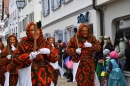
(71, 79)
(69, 76)
(65, 74)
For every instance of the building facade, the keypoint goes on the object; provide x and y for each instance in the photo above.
(13, 18)
(30, 13)
(59, 17)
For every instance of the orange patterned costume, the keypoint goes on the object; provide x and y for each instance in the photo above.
(40, 73)
(54, 71)
(85, 72)
(4, 62)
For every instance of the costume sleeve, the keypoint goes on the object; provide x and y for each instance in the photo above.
(20, 58)
(3, 60)
(95, 45)
(54, 54)
(71, 48)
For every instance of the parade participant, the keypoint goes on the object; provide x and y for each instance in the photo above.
(1, 47)
(25, 55)
(87, 44)
(12, 43)
(55, 65)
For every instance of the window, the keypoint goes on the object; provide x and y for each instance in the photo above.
(16, 29)
(25, 2)
(20, 26)
(23, 24)
(65, 35)
(61, 35)
(55, 4)
(45, 7)
(31, 17)
(29, 0)
(12, 31)
(15, 13)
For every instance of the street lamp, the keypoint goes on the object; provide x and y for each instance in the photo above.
(20, 3)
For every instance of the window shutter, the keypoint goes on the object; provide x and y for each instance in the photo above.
(65, 35)
(48, 6)
(61, 35)
(63, 1)
(43, 8)
(52, 5)
(59, 3)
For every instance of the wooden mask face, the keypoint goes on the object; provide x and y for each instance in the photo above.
(31, 32)
(12, 41)
(51, 41)
(85, 32)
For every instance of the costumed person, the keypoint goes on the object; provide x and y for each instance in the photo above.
(87, 44)
(55, 65)
(108, 43)
(9, 77)
(99, 58)
(72, 73)
(1, 47)
(26, 56)
(104, 80)
(116, 76)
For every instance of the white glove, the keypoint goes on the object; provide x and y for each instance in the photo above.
(44, 51)
(13, 48)
(33, 55)
(78, 51)
(0, 51)
(9, 56)
(52, 45)
(87, 44)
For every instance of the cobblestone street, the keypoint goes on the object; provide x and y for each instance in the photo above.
(62, 81)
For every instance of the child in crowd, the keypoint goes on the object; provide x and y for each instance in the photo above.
(106, 54)
(116, 77)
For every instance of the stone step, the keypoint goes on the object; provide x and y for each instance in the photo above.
(62, 81)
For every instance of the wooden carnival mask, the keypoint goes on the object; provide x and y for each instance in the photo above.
(31, 32)
(85, 32)
(12, 41)
(51, 40)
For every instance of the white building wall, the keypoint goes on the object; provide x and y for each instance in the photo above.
(65, 16)
(32, 6)
(65, 10)
(114, 11)
(13, 20)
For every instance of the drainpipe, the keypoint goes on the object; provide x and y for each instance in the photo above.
(101, 17)
(2, 10)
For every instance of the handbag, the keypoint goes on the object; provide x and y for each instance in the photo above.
(103, 73)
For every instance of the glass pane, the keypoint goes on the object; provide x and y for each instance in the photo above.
(20, 4)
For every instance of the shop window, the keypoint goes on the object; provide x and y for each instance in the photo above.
(123, 25)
